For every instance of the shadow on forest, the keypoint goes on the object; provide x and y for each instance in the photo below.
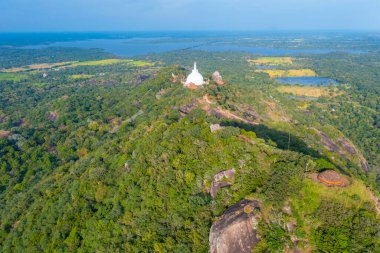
(279, 137)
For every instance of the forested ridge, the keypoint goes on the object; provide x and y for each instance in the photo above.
(121, 157)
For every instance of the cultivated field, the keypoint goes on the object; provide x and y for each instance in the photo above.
(72, 64)
(309, 91)
(272, 61)
(278, 73)
(12, 77)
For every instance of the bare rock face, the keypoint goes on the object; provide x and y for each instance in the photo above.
(53, 116)
(215, 127)
(332, 178)
(127, 168)
(235, 231)
(186, 109)
(177, 78)
(2, 118)
(217, 78)
(222, 179)
(142, 78)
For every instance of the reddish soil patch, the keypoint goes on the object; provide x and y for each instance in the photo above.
(192, 86)
(4, 134)
(333, 178)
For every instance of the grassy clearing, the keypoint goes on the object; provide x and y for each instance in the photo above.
(309, 91)
(81, 76)
(354, 195)
(278, 73)
(271, 61)
(74, 64)
(37, 67)
(12, 77)
(113, 61)
(101, 62)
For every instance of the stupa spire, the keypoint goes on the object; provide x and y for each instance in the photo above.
(195, 65)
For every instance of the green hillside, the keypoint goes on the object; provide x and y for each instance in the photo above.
(123, 159)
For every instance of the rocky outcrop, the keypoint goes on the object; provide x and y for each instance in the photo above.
(332, 178)
(2, 118)
(215, 127)
(127, 168)
(236, 230)
(217, 78)
(177, 78)
(346, 148)
(53, 116)
(222, 179)
(142, 78)
(186, 109)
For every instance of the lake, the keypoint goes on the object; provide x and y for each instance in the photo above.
(135, 44)
(308, 81)
(135, 47)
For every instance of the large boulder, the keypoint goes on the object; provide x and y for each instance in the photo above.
(236, 230)
(217, 78)
(332, 178)
(222, 179)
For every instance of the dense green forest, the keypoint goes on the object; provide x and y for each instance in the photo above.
(120, 157)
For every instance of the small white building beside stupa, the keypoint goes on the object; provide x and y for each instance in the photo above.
(195, 78)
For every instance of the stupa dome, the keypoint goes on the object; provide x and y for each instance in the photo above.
(195, 77)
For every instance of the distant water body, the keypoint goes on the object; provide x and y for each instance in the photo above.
(134, 44)
(135, 47)
(308, 81)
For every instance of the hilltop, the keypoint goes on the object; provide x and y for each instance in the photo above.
(115, 155)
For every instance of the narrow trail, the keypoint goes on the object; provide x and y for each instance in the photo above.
(222, 112)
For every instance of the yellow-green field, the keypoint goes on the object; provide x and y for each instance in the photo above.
(309, 91)
(81, 76)
(313, 192)
(74, 64)
(12, 77)
(113, 61)
(272, 61)
(37, 67)
(277, 73)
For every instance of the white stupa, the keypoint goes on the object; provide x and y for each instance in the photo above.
(195, 77)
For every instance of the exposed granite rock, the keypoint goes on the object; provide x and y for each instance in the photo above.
(332, 178)
(142, 78)
(222, 179)
(2, 118)
(217, 78)
(215, 127)
(186, 109)
(53, 116)
(287, 209)
(126, 167)
(347, 149)
(177, 78)
(291, 225)
(235, 230)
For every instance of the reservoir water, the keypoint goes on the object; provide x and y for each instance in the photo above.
(308, 81)
(134, 44)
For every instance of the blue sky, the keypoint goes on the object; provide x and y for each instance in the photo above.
(150, 15)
